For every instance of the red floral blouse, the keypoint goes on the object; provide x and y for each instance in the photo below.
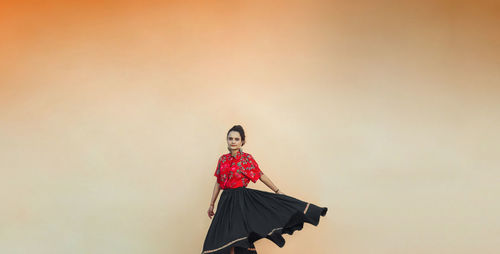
(237, 171)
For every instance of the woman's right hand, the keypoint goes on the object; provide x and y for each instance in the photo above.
(210, 211)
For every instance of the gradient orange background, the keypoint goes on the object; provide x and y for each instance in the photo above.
(113, 115)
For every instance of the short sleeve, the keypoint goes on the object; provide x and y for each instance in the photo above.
(253, 171)
(217, 169)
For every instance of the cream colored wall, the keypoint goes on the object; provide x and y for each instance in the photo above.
(113, 116)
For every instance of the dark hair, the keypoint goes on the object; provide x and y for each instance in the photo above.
(239, 129)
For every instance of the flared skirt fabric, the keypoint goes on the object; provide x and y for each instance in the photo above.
(245, 215)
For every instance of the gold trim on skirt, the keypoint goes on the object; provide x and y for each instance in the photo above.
(239, 239)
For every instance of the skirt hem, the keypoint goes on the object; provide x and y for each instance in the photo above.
(244, 245)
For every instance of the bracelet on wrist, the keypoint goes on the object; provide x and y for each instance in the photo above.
(276, 191)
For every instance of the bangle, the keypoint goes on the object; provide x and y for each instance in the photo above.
(277, 191)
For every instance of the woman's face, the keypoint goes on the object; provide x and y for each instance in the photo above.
(234, 140)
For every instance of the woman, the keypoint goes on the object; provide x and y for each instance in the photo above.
(246, 215)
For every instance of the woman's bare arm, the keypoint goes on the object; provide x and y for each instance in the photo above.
(215, 192)
(266, 180)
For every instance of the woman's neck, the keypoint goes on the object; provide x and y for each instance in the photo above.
(235, 152)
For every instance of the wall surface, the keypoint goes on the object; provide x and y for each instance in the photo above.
(113, 115)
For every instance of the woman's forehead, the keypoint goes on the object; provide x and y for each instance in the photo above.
(234, 134)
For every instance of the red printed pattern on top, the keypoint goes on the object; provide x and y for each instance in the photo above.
(237, 171)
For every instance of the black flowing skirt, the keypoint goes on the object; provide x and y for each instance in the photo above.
(245, 215)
